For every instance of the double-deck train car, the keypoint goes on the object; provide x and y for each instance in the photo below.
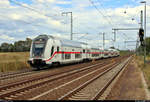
(113, 52)
(48, 50)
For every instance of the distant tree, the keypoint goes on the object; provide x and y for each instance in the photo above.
(21, 46)
(28, 44)
(18, 46)
(5, 47)
(10, 48)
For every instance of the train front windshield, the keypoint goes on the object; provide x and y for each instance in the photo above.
(38, 48)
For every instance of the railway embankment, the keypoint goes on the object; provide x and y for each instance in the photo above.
(131, 85)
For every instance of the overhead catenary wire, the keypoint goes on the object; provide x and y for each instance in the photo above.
(101, 13)
(28, 23)
(37, 11)
(127, 36)
(109, 22)
(25, 22)
(34, 10)
(109, 17)
(30, 8)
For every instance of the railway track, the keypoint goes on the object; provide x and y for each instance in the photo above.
(56, 92)
(14, 74)
(18, 87)
(92, 89)
(25, 76)
(23, 73)
(12, 91)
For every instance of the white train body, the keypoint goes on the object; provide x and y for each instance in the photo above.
(47, 50)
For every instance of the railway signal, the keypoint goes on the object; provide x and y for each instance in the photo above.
(141, 35)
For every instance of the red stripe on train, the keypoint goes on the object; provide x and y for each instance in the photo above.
(72, 53)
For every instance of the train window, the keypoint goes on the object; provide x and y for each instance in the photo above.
(52, 50)
(67, 56)
(83, 50)
(78, 55)
(95, 55)
(57, 49)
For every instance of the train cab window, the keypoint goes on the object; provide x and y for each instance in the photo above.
(57, 49)
(83, 50)
(52, 50)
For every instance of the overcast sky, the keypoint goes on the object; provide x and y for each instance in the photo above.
(34, 17)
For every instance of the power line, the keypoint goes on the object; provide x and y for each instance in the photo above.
(99, 11)
(110, 17)
(105, 10)
(128, 36)
(25, 22)
(32, 9)
(109, 20)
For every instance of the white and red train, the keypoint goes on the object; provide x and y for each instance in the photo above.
(48, 50)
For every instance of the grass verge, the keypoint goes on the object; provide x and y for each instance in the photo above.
(123, 53)
(13, 61)
(145, 68)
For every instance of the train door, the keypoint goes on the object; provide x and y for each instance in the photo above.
(88, 54)
(62, 54)
(84, 55)
(54, 54)
(58, 54)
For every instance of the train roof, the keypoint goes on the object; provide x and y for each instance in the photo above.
(70, 43)
(94, 48)
(112, 49)
(66, 42)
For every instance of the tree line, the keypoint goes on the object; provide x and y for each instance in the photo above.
(18, 46)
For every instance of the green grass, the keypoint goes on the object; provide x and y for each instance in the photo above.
(12, 61)
(123, 53)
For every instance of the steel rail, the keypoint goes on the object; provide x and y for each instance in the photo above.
(85, 84)
(64, 74)
(74, 91)
(83, 76)
(100, 92)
